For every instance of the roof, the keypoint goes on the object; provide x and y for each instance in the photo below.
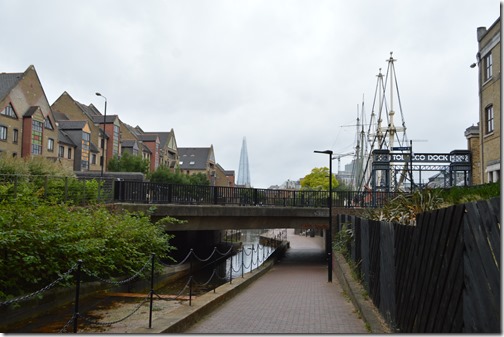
(59, 116)
(163, 136)
(71, 125)
(31, 111)
(64, 139)
(148, 138)
(7, 82)
(103, 119)
(194, 158)
(128, 143)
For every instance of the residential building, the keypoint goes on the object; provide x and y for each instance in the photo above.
(224, 177)
(168, 152)
(108, 143)
(194, 160)
(27, 124)
(85, 153)
(485, 141)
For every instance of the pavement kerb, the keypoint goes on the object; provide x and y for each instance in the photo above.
(181, 318)
(355, 291)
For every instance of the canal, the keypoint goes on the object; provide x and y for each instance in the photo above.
(249, 255)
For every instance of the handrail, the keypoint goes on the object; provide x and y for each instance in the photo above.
(159, 193)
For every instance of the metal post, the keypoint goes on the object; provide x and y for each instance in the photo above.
(151, 290)
(329, 230)
(104, 154)
(243, 260)
(231, 271)
(77, 293)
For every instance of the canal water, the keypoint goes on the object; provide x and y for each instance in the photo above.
(249, 257)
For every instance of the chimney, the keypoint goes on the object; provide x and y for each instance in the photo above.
(481, 32)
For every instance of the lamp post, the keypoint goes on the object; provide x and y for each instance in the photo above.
(104, 156)
(329, 231)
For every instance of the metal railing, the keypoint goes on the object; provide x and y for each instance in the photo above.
(86, 190)
(157, 193)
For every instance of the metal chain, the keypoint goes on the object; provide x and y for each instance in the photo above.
(70, 321)
(226, 253)
(93, 322)
(25, 297)
(204, 260)
(118, 282)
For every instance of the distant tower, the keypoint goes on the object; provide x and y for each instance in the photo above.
(243, 169)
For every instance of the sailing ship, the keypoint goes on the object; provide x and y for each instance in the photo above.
(382, 134)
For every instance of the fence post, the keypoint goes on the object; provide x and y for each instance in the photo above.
(256, 201)
(190, 290)
(151, 290)
(243, 260)
(252, 259)
(215, 194)
(77, 291)
(231, 271)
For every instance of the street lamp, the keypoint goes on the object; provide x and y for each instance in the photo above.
(329, 231)
(104, 156)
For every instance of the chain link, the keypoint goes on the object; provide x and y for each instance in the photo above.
(24, 298)
(70, 321)
(93, 322)
(118, 282)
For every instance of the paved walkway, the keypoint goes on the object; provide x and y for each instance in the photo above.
(293, 297)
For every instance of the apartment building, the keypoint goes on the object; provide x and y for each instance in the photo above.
(27, 125)
(484, 140)
(194, 160)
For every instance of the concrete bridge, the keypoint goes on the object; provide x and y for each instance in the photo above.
(217, 217)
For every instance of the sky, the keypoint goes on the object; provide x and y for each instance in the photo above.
(289, 75)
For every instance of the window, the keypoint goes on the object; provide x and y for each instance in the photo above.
(116, 140)
(69, 153)
(61, 151)
(93, 159)
(8, 111)
(489, 119)
(48, 124)
(50, 144)
(36, 147)
(15, 136)
(3, 132)
(85, 151)
(488, 66)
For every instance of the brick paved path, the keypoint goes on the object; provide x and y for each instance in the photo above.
(293, 297)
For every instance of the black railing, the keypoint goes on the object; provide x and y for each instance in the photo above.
(88, 190)
(156, 193)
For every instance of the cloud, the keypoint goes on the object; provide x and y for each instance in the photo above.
(285, 74)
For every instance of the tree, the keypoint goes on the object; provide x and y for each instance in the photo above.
(317, 180)
(164, 175)
(128, 163)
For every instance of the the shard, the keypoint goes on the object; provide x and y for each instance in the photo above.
(243, 169)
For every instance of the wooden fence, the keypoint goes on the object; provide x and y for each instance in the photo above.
(440, 276)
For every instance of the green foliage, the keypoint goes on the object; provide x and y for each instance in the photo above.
(128, 163)
(39, 241)
(165, 175)
(342, 240)
(459, 195)
(318, 180)
(35, 166)
(405, 207)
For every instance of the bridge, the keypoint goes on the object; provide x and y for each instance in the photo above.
(221, 208)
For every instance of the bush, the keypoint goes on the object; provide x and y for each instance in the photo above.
(40, 241)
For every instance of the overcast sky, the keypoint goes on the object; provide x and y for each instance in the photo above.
(287, 75)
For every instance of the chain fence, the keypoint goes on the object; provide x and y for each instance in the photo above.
(78, 270)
